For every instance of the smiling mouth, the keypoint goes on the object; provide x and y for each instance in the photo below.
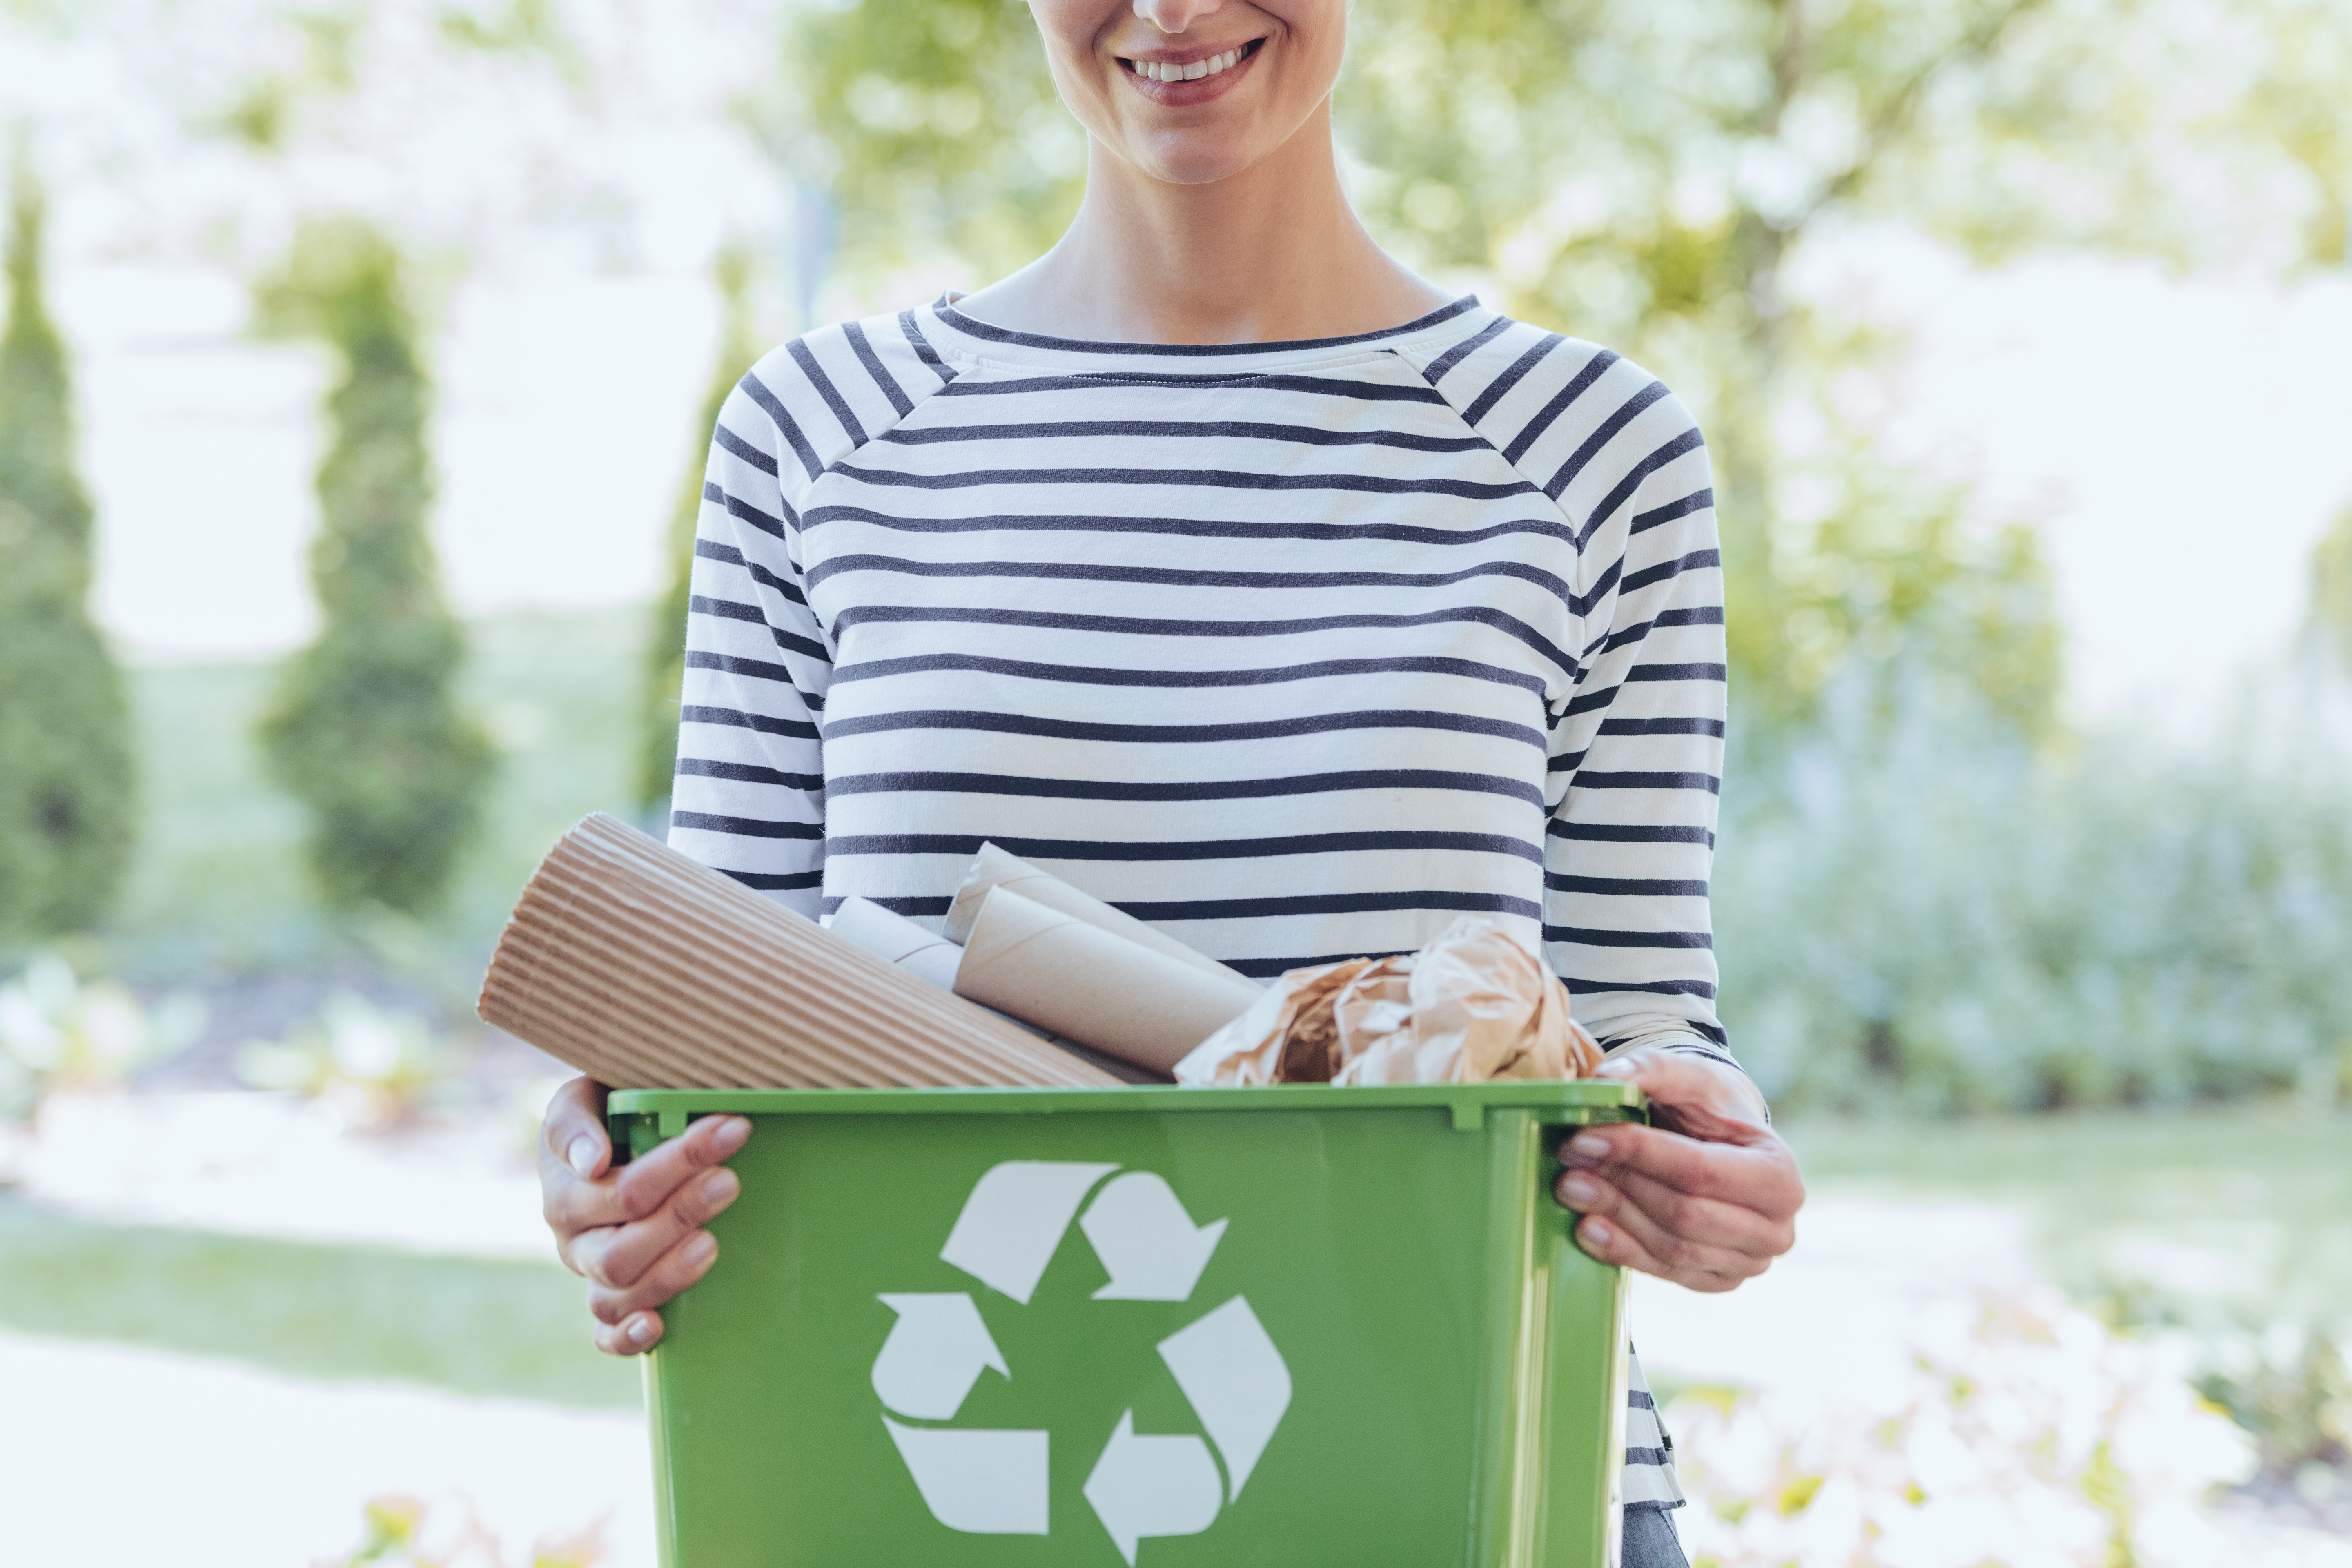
(1191, 70)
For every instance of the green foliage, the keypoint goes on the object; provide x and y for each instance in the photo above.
(67, 785)
(58, 1031)
(941, 130)
(365, 728)
(1935, 916)
(666, 662)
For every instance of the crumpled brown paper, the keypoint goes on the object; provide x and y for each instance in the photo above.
(1472, 1005)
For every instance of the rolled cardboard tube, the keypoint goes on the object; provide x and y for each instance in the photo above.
(1056, 971)
(895, 940)
(994, 869)
(643, 970)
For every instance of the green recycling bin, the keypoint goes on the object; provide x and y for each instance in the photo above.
(1243, 1327)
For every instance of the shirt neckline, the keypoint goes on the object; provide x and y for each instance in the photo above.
(986, 340)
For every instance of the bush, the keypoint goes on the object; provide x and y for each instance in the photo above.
(66, 776)
(365, 727)
(1938, 915)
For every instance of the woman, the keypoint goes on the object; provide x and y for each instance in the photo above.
(1231, 570)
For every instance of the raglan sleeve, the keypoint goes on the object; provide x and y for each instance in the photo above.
(748, 797)
(1637, 753)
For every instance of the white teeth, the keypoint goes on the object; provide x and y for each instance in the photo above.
(1153, 70)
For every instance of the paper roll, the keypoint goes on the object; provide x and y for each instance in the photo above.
(645, 970)
(895, 940)
(994, 869)
(1059, 971)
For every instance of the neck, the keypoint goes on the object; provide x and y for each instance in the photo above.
(1270, 254)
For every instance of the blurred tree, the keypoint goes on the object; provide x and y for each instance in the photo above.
(738, 346)
(67, 796)
(366, 726)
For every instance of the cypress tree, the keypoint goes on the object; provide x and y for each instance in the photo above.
(665, 649)
(67, 794)
(366, 726)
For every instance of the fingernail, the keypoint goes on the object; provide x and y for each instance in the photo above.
(641, 1328)
(1618, 1069)
(1596, 1233)
(717, 1186)
(1592, 1145)
(699, 1251)
(581, 1154)
(731, 1134)
(1577, 1191)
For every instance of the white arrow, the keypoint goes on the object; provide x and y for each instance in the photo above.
(1236, 1380)
(934, 1354)
(1015, 1219)
(981, 1482)
(1153, 1486)
(1147, 1242)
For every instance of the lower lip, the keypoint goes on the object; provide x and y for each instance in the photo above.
(1182, 94)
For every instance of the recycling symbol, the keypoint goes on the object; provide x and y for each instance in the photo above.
(995, 1482)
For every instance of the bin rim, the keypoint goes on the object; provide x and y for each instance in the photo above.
(1464, 1100)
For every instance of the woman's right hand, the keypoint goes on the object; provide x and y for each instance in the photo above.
(635, 1234)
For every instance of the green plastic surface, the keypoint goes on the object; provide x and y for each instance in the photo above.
(1454, 1363)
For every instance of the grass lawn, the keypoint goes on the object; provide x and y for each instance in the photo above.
(2248, 1204)
(513, 1329)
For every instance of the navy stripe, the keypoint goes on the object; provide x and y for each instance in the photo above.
(1179, 734)
(1587, 936)
(798, 729)
(978, 329)
(1625, 833)
(786, 427)
(726, 609)
(775, 882)
(1624, 887)
(1267, 968)
(1511, 376)
(1706, 782)
(1577, 987)
(1689, 441)
(1664, 570)
(1676, 672)
(1190, 789)
(726, 441)
(1656, 516)
(1324, 387)
(1476, 614)
(756, 669)
(1084, 675)
(964, 845)
(888, 385)
(1171, 429)
(1578, 384)
(1602, 435)
(1173, 577)
(922, 347)
(1190, 528)
(1217, 478)
(744, 772)
(1438, 367)
(746, 826)
(798, 348)
(1328, 904)
(1661, 727)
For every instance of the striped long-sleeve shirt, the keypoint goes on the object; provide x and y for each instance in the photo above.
(1298, 650)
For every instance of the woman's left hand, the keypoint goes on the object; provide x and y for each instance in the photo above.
(1706, 1195)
